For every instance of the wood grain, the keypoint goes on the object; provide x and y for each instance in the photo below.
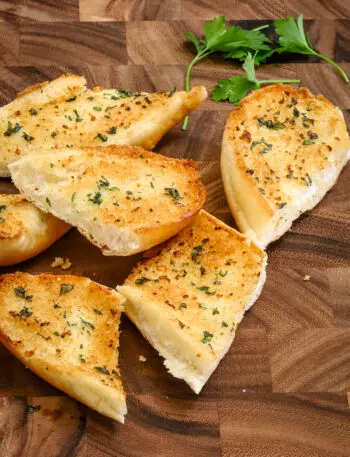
(274, 425)
(129, 10)
(284, 386)
(72, 43)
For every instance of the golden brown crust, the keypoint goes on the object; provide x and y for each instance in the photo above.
(64, 112)
(188, 300)
(25, 231)
(65, 329)
(121, 188)
(277, 144)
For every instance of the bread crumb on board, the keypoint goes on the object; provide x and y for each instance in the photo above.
(306, 278)
(142, 358)
(61, 262)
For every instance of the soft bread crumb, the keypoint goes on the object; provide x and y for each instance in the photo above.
(65, 264)
(142, 358)
(306, 278)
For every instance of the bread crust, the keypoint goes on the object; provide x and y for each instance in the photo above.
(66, 336)
(282, 150)
(123, 199)
(53, 114)
(188, 300)
(25, 231)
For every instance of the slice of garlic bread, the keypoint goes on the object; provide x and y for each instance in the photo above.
(124, 199)
(25, 231)
(189, 300)
(65, 329)
(282, 150)
(64, 112)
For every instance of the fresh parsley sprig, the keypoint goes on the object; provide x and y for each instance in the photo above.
(237, 87)
(234, 42)
(294, 39)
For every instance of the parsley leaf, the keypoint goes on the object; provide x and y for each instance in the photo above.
(233, 89)
(234, 42)
(237, 87)
(294, 39)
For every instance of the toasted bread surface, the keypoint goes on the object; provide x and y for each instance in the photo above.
(124, 199)
(188, 300)
(64, 112)
(65, 329)
(25, 231)
(282, 150)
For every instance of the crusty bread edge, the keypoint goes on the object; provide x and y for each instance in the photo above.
(135, 242)
(176, 363)
(75, 386)
(64, 86)
(179, 106)
(82, 389)
(239, 184)
(11, 253)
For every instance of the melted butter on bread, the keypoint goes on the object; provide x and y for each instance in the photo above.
(64, 113)
(282, 150)
(188, 300)
(65, 329)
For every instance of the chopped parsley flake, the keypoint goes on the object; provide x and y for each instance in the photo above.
(96, 198)
(173, 192)
(142, 280)
(21, 293)
(282, 205)
(183, 305)
(77, 116)
(10, 130)
(102, 370)
(196, 252)
(71, 99)
(266, 149)
(65, 288)
(97, 108)
(112, 131)
(88, 324)
(48, 201)
(308, 142)
(97, 311)
(81, 358)
(33, 112)
(27, 137)
(274, 125)
(102, 183)
(215, 311)
(102, 137)
(25, 312)
(207, 336)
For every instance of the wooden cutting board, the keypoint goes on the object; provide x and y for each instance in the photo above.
(282, 389)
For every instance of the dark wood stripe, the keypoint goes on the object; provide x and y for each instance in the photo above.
(72, 43)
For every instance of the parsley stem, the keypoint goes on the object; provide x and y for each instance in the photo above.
(276, 81)
(262, 27)
(337, 67)
(201, 55)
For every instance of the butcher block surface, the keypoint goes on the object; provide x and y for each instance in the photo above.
(283, 390)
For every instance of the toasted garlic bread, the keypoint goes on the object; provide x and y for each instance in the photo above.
(25, 231)
(282, 150)
(64, 112)
(65, 329)
(124, 199)
(189, 300)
